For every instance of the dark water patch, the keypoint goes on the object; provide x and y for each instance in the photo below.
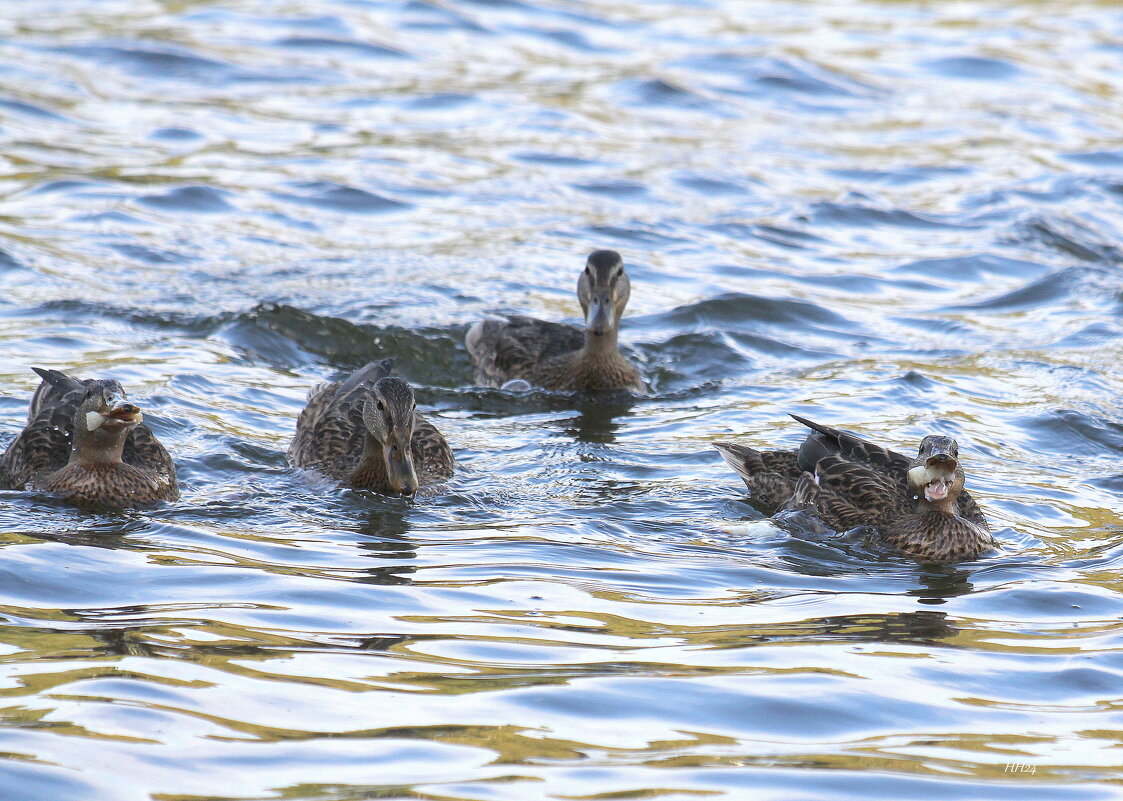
(903, 176)
(340, 198)
(662, 93)
(853, 284)
(288, 336)
(194, 199)
(639, 234)
(1050, 290)
(620, 189)
(1068, 431)
(554, 159)
(64, 185)
(975, 267)
(427, 15)
(1109, 159)
(975, 68)
(30, 110)
(439, 101)
(175, 134)
(1067, 236)
(776, 235)
(8, 262)
(573, 39)
(710, 184)
(112, 218)
(1111, 483)
(179, 65)
(765, 76)
(737, 310)
(175, 64)
(869, 217)
(150, 256)
(350, 47)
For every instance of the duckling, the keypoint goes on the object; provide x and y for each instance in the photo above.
(85, 442)
(562, 357)
(365, 433)
(918, 505)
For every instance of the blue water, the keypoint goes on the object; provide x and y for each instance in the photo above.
(899, 218)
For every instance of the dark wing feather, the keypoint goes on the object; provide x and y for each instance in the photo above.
(144, 451)
(827, 441)
(432, 457)
(44, 444)
(876, 494)
(328, 436)
(504, 350)
(833, 509)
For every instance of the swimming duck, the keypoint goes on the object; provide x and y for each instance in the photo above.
(918, 505)
(562, 357)
(85, 442)
(365, 433)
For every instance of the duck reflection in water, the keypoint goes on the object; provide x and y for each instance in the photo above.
(597, 413)
(385, 536)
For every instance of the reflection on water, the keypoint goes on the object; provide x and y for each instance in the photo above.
(896, 218)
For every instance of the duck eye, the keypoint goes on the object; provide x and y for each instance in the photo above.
(380, 406)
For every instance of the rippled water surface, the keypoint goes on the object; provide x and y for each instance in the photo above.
(896, 217)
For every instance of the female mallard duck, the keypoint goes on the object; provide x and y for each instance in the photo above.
(85, 442)
(917, 505)
(365, 433)
(563, 357)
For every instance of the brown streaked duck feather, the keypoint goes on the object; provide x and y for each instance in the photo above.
(557, 356)
(917, 505)
(334, 434)
(119, 463)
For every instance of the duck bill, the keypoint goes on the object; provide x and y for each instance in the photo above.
(940, 469)
(125, 412)
(399, 468)
(121, 414)
(598, 317)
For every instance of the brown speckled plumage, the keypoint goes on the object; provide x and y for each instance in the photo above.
(115, 466)
(334, 437)
(849, 482)
(561, 357)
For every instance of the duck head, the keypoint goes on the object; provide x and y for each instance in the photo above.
(388, 416)
(103, 421)
(603, 290)
(935, 478)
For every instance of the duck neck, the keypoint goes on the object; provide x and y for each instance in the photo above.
(600, 345)
(946, 506)
(370, 472)
(97, 447)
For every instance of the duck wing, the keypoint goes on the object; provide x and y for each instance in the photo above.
(827, 441)
(513, 348)
(44, 444)
(432, 456)
(143, 451)
(329, 432)
(874, 494)
(833, 509)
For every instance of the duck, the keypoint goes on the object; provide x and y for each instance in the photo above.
(520, 350)
(365, 433)
(917, 506)
(85, 442)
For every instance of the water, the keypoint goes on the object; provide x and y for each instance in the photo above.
(895, 217)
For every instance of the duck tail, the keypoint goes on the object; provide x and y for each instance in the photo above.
(745, 461)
